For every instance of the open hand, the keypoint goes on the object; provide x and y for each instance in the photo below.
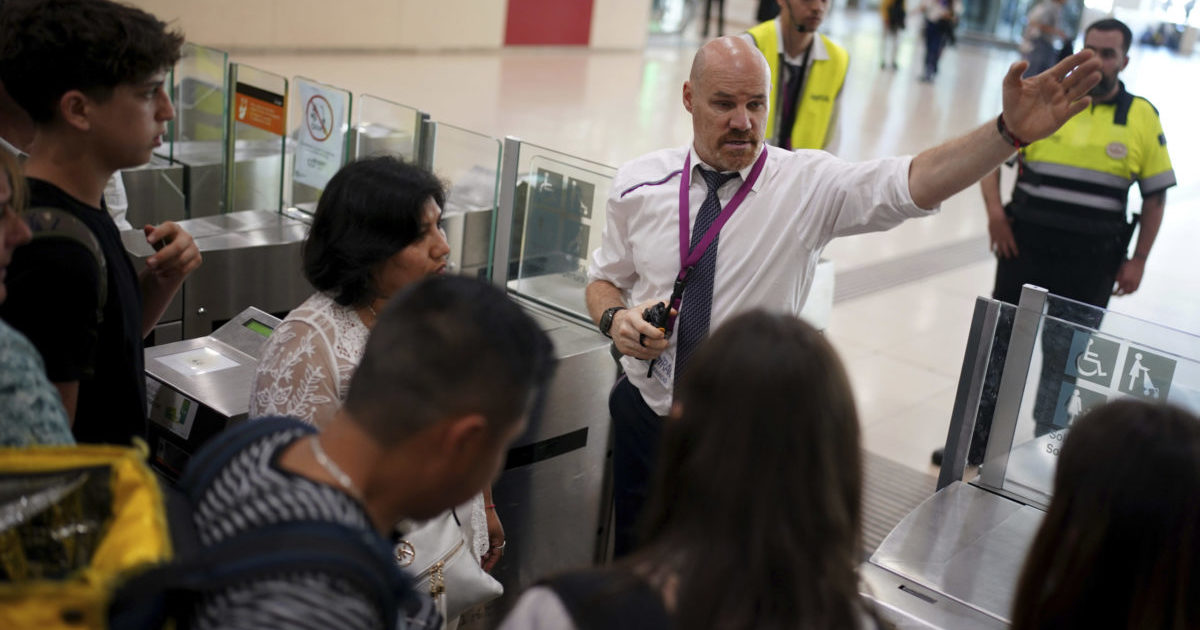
(1036, 107)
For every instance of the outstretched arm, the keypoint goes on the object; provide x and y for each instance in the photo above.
(1033, 109)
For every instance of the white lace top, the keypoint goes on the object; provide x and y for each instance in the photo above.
(306, 365)
(305, 372)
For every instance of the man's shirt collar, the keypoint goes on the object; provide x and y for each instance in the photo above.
(744, 173)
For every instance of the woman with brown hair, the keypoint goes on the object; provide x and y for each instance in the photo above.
(1120, 544)
(755, 517)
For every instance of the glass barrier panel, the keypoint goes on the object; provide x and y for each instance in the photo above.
(197, 135)
(257, 139)
(199, 83)
(320, 137)
(995, 344)
(387, 128)
(1084, 356)
(558, 220)
(469, 163)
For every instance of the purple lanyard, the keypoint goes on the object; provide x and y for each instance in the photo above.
(688, 257)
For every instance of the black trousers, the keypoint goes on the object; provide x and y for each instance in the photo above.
(637, 431)
(1075, 266)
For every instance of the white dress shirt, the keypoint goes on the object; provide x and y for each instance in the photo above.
(767, 251)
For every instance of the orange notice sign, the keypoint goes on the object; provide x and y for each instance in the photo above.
(259, 108)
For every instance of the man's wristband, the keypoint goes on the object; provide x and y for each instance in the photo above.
(1007, 135)
(606, 319)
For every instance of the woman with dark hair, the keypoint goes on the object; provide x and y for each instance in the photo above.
(376, 229)
(1120, 545)
(755, 517)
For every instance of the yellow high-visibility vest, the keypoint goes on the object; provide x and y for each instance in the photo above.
(822, 85)
(1078, 179)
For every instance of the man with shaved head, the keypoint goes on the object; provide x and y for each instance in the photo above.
(728, 224)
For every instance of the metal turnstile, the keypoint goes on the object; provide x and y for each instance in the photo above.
(250, 257)
(155, 192)
(552, 495)
(1028, 371)
(954, 561)
(198, 387)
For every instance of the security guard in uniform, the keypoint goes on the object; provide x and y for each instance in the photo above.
(1065, 229)
(808, 70)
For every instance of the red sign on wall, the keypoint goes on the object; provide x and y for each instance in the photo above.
(548, 23)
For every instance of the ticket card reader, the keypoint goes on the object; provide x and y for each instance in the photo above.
(198, 387)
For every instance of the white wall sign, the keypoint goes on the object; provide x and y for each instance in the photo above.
(322, 134)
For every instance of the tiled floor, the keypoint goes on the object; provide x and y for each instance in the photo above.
(903, 345)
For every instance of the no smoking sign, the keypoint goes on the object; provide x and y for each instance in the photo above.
(318, 118)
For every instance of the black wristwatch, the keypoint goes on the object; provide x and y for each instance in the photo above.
(606, 319)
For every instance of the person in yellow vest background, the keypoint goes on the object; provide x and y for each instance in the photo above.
(1065, 228)
(808, 71)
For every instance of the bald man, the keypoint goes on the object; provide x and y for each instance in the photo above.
(754, 220)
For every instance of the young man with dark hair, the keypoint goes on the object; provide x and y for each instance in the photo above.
(90, 74)
(449, 375)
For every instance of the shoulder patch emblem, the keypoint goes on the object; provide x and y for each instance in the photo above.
(1116, 150)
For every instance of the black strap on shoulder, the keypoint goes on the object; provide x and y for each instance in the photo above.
(610, 598)
(359, 557)
(173, 589)
(1124, 101)
(210, 460)
(48, 223)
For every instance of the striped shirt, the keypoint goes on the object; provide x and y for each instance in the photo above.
(254, 492)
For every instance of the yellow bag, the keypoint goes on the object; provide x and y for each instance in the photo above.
(74, 521)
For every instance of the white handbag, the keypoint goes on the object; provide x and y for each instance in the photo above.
(444, 566)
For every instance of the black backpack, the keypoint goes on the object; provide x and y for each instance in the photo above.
(170, 591)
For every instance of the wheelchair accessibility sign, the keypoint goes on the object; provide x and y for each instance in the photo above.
(1146, 375)
(1093, 359)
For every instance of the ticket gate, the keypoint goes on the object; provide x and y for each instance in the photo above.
(1028, 371)
(552, 496)
(197, 388)
(250, 257)
(155, 192)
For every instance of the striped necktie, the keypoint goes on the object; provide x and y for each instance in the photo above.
(696, 308)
